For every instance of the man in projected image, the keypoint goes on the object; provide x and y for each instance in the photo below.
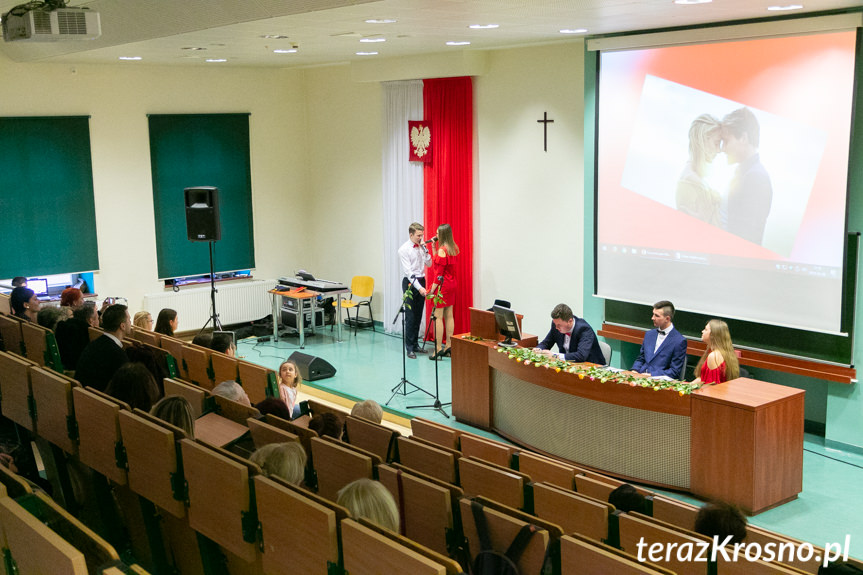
(664, 349)
(750, 193)
(574, 337)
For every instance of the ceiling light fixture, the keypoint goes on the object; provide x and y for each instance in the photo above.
(461, 43)
(194, 48)
(367, 53)
(129, 58)
(381, 21)
(685, 2)
(287, 51)
(573, 31)
(372, 40)
(483, 26)
(784, 8)
(217, 60)
(274, 37)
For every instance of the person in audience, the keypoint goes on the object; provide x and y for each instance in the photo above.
(289, 383)
(574, 337)
(25, 304)
(71, 298)
(664, 349)
(283, 460)
(103, 356)
(73, 334)
(233, 391)
(49, 316)
(167, 322)
(626, 498)
(177, 411)
(274, 406)
(223, 343)
(326, 424)
(134, 384)
(143, 320)
(719, 362)
(368, 409)
(443, 288)
(839, 568)
(721, 520)
(155, 364)
(370, 499)
(19, 281)
(203, 339)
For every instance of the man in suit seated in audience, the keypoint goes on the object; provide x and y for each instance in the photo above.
(73, 335)
(574, 337)
(664, 349)
(105, 355)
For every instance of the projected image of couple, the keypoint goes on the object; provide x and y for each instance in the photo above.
(724, 181)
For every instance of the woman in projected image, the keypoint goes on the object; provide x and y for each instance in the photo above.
(719, 362)
(694, 195)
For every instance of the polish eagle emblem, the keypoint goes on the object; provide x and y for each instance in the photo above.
(420, 140)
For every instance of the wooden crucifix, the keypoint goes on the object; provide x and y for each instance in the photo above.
(545, 122)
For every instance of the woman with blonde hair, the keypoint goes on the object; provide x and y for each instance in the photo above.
(442, 290)
(370, 499)
(283, 460)
(143, 320)
(177, 411)
(719, 362)
(694, 195)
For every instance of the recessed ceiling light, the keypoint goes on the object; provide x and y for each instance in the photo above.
(462, 43)
(129, 58)
(684, 2)
(274, 37)
(381, 21)
(573, 31)
(367, 53)
(784, 8)
(286, 51)
(193, 48)
(483, 26)
(217, 60)
(372, 40)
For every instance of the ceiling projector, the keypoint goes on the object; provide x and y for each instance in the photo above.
(47, 25)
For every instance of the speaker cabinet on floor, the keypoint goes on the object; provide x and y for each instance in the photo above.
(202, 214)
(312, 368)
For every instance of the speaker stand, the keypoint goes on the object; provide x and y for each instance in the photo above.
(214, 318)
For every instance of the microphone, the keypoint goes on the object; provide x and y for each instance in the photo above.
(434, 239)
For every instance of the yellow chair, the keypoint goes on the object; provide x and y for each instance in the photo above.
(361, 287)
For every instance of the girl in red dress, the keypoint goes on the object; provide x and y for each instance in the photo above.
(444, 284)
(719, 362)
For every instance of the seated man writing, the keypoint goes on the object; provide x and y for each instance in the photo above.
(664, 349)
(574, 337)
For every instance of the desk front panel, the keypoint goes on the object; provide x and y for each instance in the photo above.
(621, 440)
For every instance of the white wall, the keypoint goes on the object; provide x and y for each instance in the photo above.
(118, 99)
(529, 247)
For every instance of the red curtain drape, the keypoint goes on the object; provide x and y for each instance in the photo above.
(448, 178)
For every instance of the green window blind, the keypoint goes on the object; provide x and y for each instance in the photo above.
(189, 150)
(46, 197)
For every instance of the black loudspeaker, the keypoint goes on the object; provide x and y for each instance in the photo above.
(312, 368)
(202, 214)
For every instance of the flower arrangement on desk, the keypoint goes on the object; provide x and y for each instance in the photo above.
(594, 372)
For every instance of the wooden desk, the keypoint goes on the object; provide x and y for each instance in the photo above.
(740, 441)
(299, 297)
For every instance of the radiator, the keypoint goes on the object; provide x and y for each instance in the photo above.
(235, 303)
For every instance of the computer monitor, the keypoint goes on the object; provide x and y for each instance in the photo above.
(38, 285)
(507, 324)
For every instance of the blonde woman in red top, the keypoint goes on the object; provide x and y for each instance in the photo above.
(719, 362)
(443, 284)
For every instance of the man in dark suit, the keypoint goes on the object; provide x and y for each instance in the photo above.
(664, 349)
(105, 355)
(574, 337)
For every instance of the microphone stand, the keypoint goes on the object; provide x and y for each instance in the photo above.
(437, 405)
(402, 387)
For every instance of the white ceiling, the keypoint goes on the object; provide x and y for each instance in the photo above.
(329, 31)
